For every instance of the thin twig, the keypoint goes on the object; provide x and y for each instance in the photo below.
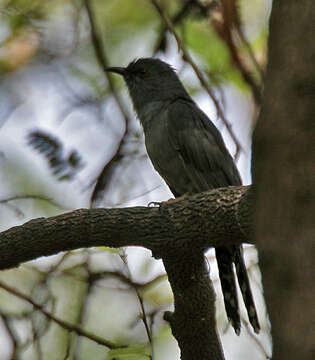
(83, 303)
(102, 60)
(144, 316)
(251, 53)
(64, 324)
(255, 339)
(32, 197)
(11, 333)
(229, 14)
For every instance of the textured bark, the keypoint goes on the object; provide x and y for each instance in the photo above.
(193, 321)
(200, 221)
(283, 164)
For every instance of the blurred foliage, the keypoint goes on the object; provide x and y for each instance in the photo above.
(52, 86)
(125, 23)
(204, 41)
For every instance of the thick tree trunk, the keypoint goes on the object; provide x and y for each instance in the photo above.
(284, 175)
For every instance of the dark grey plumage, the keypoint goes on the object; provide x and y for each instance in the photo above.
(189, 153)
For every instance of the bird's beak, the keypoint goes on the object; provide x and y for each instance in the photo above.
(118, 70)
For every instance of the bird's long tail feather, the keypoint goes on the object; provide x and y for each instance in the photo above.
(224, 258)
(244, 284)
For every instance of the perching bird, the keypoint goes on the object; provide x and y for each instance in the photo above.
(187, 150)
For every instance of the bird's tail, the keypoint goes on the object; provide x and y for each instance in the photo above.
(244, 284)
(225, 257)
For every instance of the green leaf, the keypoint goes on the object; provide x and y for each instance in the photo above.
(204, 41)
(138, 352)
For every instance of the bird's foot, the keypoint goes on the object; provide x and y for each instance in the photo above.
(154, 203)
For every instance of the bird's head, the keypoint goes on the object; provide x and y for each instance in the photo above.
(150, 80)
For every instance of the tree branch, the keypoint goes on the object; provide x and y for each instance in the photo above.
(199, 221)
(64, 324)
(193, 321)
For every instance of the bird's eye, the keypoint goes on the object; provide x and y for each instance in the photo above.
(142, 72)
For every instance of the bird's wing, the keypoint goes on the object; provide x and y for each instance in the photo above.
(200, 147)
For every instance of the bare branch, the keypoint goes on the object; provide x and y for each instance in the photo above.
(198, 221)
(105, 175)
(32, 197)
(140, 299)
(229, 14)
(64, 324)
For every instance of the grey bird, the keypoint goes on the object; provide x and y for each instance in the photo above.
(188, 151)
